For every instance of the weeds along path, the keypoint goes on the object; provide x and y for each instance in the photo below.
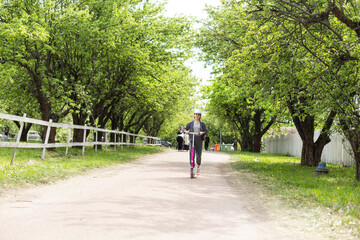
(152, 198)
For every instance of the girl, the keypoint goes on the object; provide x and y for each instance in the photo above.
(199, 127)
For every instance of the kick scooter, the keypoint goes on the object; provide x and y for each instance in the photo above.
(192, 156)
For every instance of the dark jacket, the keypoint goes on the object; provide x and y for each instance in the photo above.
(190, 127)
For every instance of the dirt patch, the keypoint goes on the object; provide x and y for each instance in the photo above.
(311, 222)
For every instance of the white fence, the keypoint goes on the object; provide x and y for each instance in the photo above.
(335, 152)
(151, 141)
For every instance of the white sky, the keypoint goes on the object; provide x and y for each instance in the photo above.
(194, 8)
(189, 7)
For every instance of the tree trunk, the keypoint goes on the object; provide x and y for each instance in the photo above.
(54, 118)
(311, 151)
(114, 126)
(257, 143)
(353, 136)
(245, 144)
(307, 154)
(23, 136)
(357, 160)
(101, 135)
(46, 114)
(131, 138)
(355, 146)
(319, 146)
(52, 137)
(246, 139)
(78, 134)
(251, 134)
(25, 131)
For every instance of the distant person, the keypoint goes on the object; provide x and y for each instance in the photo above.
(207, 140)
(179, 138)
(235, 145)
(186, 142)
(196, 126)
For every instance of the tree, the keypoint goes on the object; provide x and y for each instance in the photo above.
(234, 101)
(144, 73)
(240, 109)
(16, 97)
(266, 61)
(27, 41)
(329, 32)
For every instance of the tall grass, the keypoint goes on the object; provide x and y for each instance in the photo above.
(29, 168)
(297, 184)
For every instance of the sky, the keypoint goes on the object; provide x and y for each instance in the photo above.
(194, 8)
(189, 7)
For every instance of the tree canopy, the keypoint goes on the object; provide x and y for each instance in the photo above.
(116, 62)
(300, 56)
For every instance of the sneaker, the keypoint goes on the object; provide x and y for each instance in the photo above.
(192, 173)
(198, 170)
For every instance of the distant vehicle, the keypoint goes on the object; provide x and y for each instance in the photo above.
(3, 137)
(165, 144)
(33, 136)
(212, 148)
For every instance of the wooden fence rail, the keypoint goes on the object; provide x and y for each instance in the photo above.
(151, 141)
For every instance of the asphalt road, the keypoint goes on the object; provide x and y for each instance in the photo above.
(152, 198)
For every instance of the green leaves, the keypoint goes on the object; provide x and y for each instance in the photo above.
(117, 60)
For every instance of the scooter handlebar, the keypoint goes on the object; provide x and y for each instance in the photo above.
(194, 133)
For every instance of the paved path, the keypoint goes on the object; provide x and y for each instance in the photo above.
(153, 198)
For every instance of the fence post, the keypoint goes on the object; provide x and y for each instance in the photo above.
(115, 142)
(96, 140)
(122, 141)
(18, 140)
(105, 140)
(84, 141)
(68, 141)
(46, 139)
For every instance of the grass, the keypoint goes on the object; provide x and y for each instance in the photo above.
(285, 177)
(29, 168)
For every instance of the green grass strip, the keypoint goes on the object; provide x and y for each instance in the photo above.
(297, 184)
(29, 168)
